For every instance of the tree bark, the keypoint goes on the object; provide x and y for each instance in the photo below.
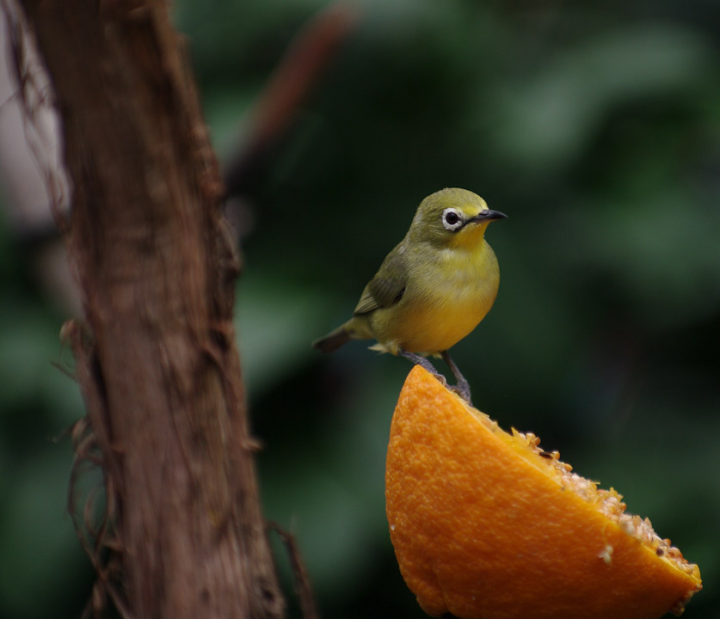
(160, 372)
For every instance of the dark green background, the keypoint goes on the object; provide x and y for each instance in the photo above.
(594, 126)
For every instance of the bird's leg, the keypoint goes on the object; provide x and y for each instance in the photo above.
(462, 387)
(423, 363)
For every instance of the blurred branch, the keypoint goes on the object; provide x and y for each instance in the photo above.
(156, 356)
(293, 81)
(303, 588)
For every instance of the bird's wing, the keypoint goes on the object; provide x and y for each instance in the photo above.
(388, 285)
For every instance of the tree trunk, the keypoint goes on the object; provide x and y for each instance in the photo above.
(160, 372)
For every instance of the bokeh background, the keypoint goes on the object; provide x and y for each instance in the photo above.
(594, 126)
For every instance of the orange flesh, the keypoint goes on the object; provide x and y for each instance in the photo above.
(486, 527)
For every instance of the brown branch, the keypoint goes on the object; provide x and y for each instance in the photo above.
(292, 82)
(155, 357)
(303, 587)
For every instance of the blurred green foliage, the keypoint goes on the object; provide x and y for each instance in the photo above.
(596, 128)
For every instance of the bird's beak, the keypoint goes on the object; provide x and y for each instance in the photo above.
(487, 216)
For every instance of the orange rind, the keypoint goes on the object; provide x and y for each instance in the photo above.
(486, 525)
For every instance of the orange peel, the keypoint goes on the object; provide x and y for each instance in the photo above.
(486, 525)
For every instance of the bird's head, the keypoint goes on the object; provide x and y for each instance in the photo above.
(452, 218)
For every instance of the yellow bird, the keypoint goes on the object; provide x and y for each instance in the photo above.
(433, 288)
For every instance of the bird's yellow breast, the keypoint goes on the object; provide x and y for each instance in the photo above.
(448, 293)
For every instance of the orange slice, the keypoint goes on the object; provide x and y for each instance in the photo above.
(486, 525)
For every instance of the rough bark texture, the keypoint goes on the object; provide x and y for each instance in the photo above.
(160, 372)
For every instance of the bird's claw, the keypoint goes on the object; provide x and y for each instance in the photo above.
(463, 390)
(442, 379)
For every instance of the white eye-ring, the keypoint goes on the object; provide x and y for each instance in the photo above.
(452, 220)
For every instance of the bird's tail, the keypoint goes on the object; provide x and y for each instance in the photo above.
(332, 341)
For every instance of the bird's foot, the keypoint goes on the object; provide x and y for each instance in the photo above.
(423, 363)
(463, 390)
(462, 387)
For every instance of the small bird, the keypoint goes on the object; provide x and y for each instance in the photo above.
(433, 288)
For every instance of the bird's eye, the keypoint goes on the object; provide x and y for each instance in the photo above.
(451, 219)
